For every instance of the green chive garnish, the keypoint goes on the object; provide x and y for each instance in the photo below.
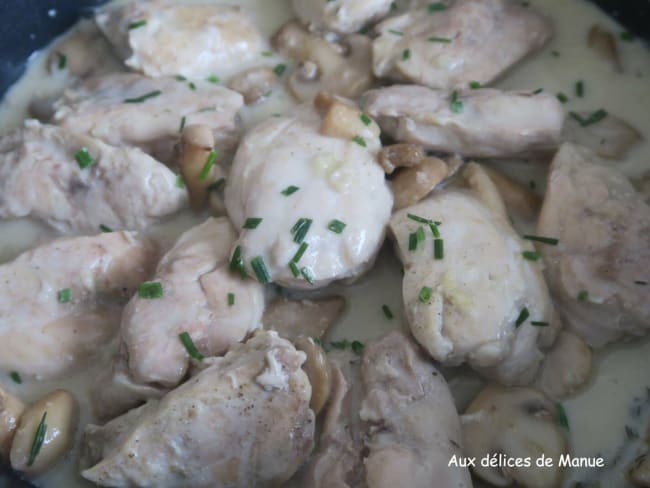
(395, 32)
(340, 344)
(295, 271)
(627, 36)
(544, 240)
(280, 69)
(267, 54)
(474, 85)
(182, 126)
(538, 91)
(594, 118)
(237, 262)
(16, 377)
(63, 60)
(191, 349)
(360, 140)
(259, 268)
(583, 295)
(580, 88)
(144, 97)
(84, 159)
(563, 419)
(425, 294)
(299, 253)
(139, 23)
(231, 299)
(387, 312)
(532, 255)
(180, 78)
(180, 182)
(290, 190)
(213, 79)
(436, 7)
(365, 119)
(523, 316)
(212, 157)
(562, 97)
(421, 220)
(105, 228)
(406, 54)
(536, 323)
(64, 296)
(217, 184)
(336, 226)
(357, 347)
(456, 105)
(306, 273)
(39, 437)
(300, 229)
(444, 40)
(438, 249)
(150, 290)
(252, 222)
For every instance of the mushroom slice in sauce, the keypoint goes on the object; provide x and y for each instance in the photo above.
(566, 367)
(254, 84)
(312, 318)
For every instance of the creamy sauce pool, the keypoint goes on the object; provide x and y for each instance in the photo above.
(607, 415)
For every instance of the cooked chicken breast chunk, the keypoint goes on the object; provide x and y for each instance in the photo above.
(483, 123)
(62, 299)
(133, 110)
(471, 40)
(76, 183)
(600, 269)
(480, 301)
(326, 193)
(244, 421)
(414, 426)
(343, 16)
(166, 38)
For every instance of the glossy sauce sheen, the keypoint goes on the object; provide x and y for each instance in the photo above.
(618, 394)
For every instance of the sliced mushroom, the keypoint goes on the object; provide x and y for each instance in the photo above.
(566, 367)
(518, 198)
(610, 137)
(343, 119)
(410, 185)
(639, 473)
(11, 408)
(198, 164)
(400, 156)
(318, 371)
(45, 433)
(254, 83)
(604, 43)
(323, 65)
(291, 318)
(518, 423)
(484, 188)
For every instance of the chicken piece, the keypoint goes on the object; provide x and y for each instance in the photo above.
(599, 273)
(83, 53)
(131, 109)
(471, 40)
(60, 300)
(335, 201)
(414, 426)
(208, 39)
(473, 123)
(566, 368)
(312, 318)
(196, 285)
(244, 421)
(481, 301)
(610, 137)
(343, 16)
(121, 188)
(337, 459)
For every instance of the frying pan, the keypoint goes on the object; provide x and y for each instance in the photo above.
(29, 25)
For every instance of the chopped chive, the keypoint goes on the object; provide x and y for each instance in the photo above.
(640, 282)
(413, 241)
(538, 91)
(357, 347)
(336, 226)
(213, 79)
(252, 222)
(562, 97)
(456, 105)
(580, 88)
(360, 140)
(300, 252)
(63, 60)
(387, 312)
(84, 159)
(425, 294)
(594, 118)
(532, 255)
(212, 157)
(563, 419)
(237, 262)
(37, 443)
(438, 249)
(395, 32)
(436, 7)
(192, 85)
(231, 299)
(180, 78)
(532, 184)
(306, 273)
(583, 295)
(180, 182)
(422, 220)
(340, 344)
(523, 316)
(290, 190)
(536, 323)
(545, 240)
(150, 290)
(280, 69)
(208, 109)
(434, 230)
(406, 54)
(15, 376)
(139, 23)
(300, 229)
(144, 97)
(105, 228)
(444, 40)
(295, 271)
(191, 349)
(555, 54)
(474, 85)
(259, 268)
(216, 185)
(419, 235)
(267, 54)
(365, 119)
(627, 36)
(64, 296)
(182, 126)
(318, 342)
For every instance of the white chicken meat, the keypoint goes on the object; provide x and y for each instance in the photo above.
(343, 16)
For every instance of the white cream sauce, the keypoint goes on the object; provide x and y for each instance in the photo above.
(618, 394)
